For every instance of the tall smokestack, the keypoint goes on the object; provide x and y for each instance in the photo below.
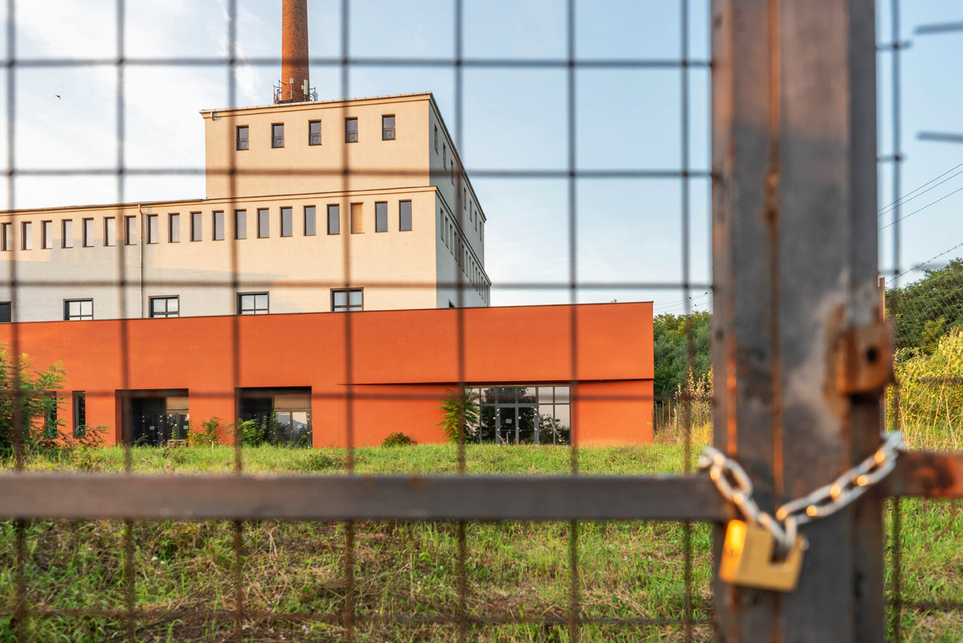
(294, 51)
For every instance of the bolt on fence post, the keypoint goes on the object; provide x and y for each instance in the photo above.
(794, 266)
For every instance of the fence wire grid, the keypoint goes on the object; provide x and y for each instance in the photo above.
(407, 580)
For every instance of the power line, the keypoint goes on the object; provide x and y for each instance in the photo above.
(907, 198)
(920, 209)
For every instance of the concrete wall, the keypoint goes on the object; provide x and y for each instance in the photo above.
(370, 163)
(397, 269)
(401, 364)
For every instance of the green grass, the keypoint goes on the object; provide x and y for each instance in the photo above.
(298, 572)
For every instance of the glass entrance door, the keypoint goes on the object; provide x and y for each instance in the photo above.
(516, 424)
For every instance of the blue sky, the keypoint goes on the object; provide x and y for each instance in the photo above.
(513, 117)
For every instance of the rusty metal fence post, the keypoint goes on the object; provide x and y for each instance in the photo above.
(794, 258)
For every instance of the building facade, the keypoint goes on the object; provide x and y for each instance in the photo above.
(311, 207)
(538, 373)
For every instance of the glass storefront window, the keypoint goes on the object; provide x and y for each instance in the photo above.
(522, 415)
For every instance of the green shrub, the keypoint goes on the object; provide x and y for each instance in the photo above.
(209, 435)
(398, 439)
(459, 411)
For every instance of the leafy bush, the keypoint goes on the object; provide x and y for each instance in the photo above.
(398, 439)
(209, 435)
(459, 411)
(27, 395)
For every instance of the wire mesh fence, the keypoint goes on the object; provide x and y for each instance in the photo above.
(253, 579)
(390, 574)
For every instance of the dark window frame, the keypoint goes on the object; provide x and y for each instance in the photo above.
(46, 235)
(79, 399)
(286, 220)
(6, 312)
(26, 235)
(240, 224)
(130, 230)
(405, 225)
(197, 226)
(263, 223)
(110, 232)
(67, 233)
(242, 143)
(277, 140)
(218, 233)
(314, 138)
(351, 134)
(388, 132)
(80, 316)
(334, 224)
(174, 227)
(153, 229)
(253, 309)
(87, 232)
(347, 306)
(313, 219)
(381, 216)
(167, 312)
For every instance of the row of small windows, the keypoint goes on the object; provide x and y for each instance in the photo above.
(459, 249)
(343, 300)
(243, 132)
(153, 234)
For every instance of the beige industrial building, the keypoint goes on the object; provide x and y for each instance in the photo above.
(311, 206)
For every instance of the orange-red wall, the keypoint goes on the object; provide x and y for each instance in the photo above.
(399, 364)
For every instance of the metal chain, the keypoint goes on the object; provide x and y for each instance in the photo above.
(733, 483)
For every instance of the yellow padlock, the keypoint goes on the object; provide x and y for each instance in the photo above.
(748, 559)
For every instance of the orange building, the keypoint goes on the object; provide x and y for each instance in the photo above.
(317, 378)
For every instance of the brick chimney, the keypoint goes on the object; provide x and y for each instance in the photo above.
(294, 52)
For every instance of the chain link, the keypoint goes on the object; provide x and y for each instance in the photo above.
(734, 484)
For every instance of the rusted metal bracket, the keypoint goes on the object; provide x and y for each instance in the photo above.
(864, 361)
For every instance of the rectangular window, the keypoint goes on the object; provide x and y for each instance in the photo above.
(130, 231)
(153, 228)
(242, 142)
(351, 130)
(436, 139)
(161, 307)
(314, 132)
(87, 230)
(78, 309)
(404, 216)
(287, 222)
(240, 224)
(334, 219)
(5, 312)
(80, 414)
(26, 235)
(67, 233)
(252, 303)
(263, 223)
(381, 217)
(343, 301)
(6, 231)
(197, 226)
(49, 401)
(174, 228)
(110, 231)
(357, 218)
(277, 135)
(217, 224)
(310, 221)
(388, 127)
(46, 234)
